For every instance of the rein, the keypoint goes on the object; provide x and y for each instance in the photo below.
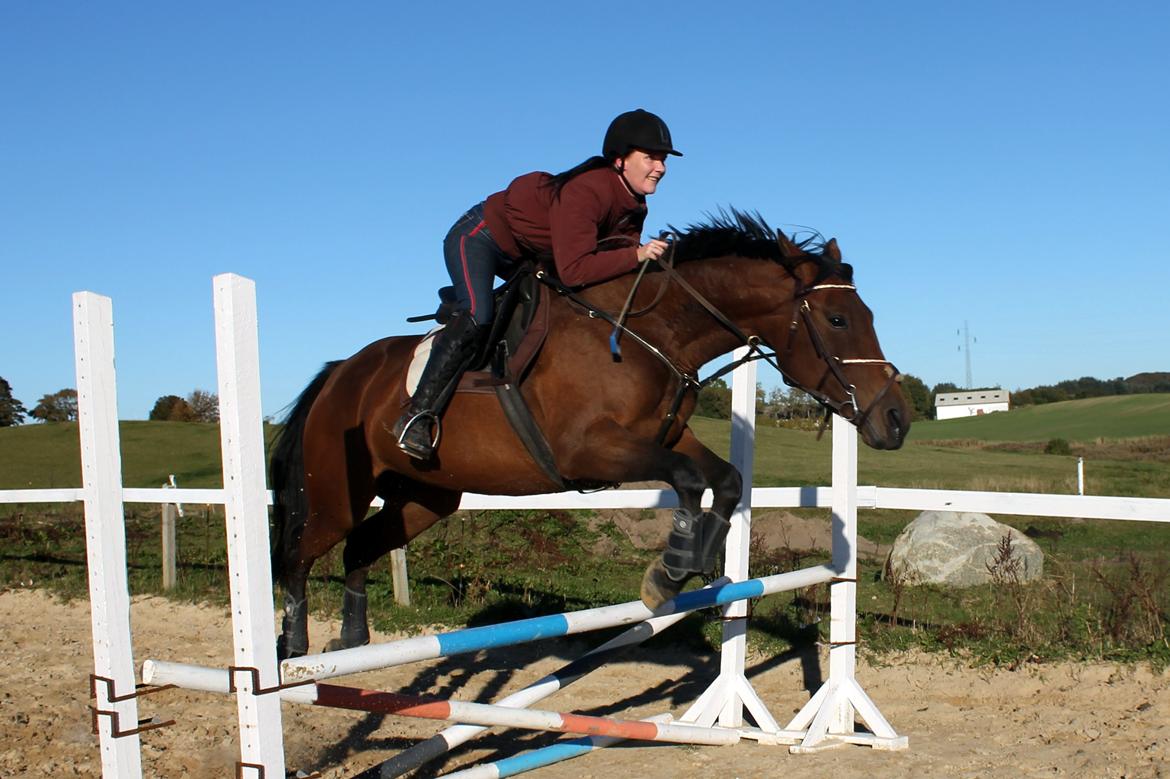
(688, 382)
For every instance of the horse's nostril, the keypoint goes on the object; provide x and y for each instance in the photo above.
(895, 419)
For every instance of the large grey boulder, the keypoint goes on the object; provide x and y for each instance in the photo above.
(957, 549)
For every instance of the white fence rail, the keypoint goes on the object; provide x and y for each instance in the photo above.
(1035, 504)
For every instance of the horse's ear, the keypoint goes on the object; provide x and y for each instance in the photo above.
(787, 247)
(832, 251)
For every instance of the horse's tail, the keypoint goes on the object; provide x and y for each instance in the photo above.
(286, 473)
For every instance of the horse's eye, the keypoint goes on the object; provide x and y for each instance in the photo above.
(838, 321)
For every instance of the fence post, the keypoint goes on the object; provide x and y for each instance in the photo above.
(169, 547)
(399, 577)
(167, 531)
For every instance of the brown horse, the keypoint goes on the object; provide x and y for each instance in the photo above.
(731, 280)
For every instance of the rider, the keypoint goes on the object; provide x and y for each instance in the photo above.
(568, 216)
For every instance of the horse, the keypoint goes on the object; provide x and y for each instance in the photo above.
(730, 280)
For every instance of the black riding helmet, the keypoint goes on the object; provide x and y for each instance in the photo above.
(637, 129)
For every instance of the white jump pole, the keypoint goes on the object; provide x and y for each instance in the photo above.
(115, 707)
(246, 508)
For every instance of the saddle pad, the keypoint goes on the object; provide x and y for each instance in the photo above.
(419, 361)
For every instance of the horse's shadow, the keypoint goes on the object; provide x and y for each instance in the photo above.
(683, 644)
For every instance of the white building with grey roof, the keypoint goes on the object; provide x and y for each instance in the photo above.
(970, 403)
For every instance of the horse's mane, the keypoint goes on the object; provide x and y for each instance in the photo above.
(749, 235)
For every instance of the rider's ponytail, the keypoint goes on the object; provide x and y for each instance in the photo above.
(559, 181)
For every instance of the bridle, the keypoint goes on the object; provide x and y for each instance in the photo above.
(802, 312)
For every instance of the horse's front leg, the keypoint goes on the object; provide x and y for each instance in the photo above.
(615, 454)
(703, 534)
(727, 488)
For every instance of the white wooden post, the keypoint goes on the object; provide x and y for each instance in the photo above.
(726, 697)
(399, 577)
(105, 536)
(246, 508)
(735, 566)
(843, 593)
(828, 717)
(1080, 475)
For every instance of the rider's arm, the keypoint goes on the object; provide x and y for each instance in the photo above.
(575, 219)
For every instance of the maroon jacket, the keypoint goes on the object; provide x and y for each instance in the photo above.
(527, 219)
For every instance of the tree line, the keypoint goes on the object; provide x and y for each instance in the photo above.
(61, 406)
(781, 403)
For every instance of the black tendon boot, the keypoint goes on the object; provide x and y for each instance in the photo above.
(417, 431)
(294, 634)
(681, 560)
(683, 553)
(355, 629)
(691, 549)
(713, 532)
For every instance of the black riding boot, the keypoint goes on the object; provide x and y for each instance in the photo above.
(455, 346)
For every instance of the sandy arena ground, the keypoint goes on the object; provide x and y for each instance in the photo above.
(1059, 720)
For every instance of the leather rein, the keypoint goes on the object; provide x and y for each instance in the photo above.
(802, 312)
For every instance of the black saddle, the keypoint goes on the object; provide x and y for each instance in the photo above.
(516, 304)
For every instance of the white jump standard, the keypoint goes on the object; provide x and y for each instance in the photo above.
(260, 686)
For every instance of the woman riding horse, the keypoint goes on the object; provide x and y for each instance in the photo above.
(731, 282)
(566, 216)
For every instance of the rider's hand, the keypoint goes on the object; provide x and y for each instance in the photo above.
(651, 250)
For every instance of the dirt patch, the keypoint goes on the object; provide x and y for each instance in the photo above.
(1059, 720)
(773, 530)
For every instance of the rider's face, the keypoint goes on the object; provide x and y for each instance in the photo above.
(643, 170)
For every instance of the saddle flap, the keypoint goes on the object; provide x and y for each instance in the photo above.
(517, 334)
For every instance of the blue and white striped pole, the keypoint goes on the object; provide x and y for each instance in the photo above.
(387, 655)
(378, 656)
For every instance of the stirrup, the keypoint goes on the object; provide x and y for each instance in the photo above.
(438, 428)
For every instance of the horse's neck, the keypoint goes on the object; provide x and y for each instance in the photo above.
(742, 290)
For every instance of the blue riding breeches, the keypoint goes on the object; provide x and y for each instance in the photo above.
(474, 261)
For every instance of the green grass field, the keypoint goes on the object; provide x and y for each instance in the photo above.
(38, 456)
(1106, 592)
(1125, 416)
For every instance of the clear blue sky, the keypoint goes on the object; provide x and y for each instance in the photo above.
(1001, 163)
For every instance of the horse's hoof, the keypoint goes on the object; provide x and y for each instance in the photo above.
(658, 587)
(340, 643)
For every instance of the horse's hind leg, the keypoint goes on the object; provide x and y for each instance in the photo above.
(318, 536)
(334, 499)
(408, 510)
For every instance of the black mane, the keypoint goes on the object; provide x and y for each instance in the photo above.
(748, 235)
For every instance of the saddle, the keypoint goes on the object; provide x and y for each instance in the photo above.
(516, 336)
(517, 333)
